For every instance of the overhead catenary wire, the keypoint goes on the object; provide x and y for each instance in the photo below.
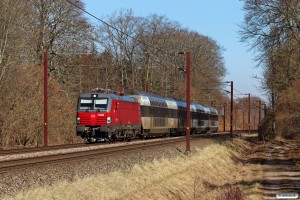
(204, 74)
(128, 35)
(240, 93)
(115, 28)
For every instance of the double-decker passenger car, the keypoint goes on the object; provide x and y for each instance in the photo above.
(213, 119)
(167, 116)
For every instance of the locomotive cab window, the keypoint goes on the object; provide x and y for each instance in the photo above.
(93, 104)
(101, 104)
(85, 104)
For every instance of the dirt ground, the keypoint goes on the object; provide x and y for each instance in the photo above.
(280, 161)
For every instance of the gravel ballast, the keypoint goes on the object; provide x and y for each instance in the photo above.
(16, 181)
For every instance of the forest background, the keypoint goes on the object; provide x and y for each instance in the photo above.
(131, 51)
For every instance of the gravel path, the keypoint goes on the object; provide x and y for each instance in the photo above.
(13, 182)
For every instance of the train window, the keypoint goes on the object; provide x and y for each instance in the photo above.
(93, 104)
(101, 104)
(145, 110)
(85, 104)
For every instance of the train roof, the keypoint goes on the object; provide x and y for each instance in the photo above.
(212, 110)
(107, 95)
(147, 94)
(161, 101)
(152, 99)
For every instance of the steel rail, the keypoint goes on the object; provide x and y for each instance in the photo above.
(9, 165)
(41, 149)
(63, 146)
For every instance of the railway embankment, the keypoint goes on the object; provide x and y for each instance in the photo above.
(217, 168)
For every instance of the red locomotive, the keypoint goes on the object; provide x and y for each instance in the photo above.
(103, 115)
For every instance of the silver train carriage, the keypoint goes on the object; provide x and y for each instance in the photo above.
(163, 116)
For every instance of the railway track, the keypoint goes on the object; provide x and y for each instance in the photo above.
(9, 165)
(59, 147)
(39, 149)
(17, 164)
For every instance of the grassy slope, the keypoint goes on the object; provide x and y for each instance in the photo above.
(205, 174)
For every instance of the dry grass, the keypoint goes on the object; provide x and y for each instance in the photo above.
(205, 174)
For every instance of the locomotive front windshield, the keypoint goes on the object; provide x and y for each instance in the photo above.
(86, 104)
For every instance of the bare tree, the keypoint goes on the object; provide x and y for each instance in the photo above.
(28, 28)
(129, 52)
(120, 39)
(145, 52)
(272, 28)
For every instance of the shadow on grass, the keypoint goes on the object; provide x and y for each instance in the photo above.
(272, 161)
(282, 175)
(266, 188)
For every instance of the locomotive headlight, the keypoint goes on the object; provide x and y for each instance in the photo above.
(108, 120)
(78, 120)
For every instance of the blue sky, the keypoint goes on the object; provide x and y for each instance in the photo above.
(217, 19)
